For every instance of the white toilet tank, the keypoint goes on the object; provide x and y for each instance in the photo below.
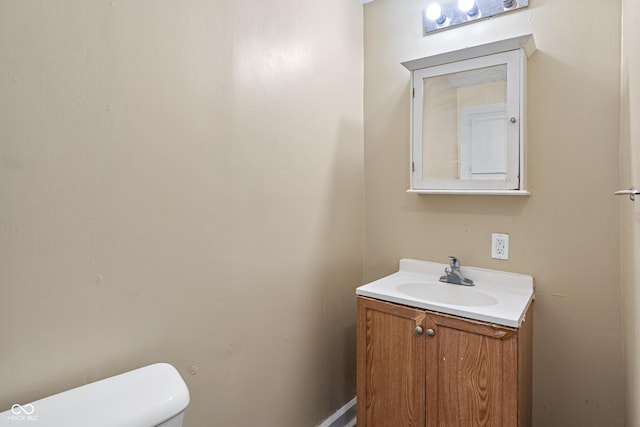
(151, 396)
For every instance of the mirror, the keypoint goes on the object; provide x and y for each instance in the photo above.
(464, 135)
(468, 125)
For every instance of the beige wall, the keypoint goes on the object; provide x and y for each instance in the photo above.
(630, 212)
(181, 181)
(565, 234)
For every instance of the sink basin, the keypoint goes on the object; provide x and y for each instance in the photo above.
(498, 297)
(446, 293)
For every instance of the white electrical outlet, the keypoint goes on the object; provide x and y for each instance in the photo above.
(499, 246)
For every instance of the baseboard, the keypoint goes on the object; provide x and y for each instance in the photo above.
(343, 417)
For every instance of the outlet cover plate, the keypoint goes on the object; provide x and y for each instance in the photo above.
(500, 246)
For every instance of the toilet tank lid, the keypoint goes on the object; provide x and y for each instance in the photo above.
(146, 396)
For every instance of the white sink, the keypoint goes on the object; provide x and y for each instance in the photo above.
(497, 297)
(452, 294)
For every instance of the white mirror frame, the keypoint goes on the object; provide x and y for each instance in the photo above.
(517, 49)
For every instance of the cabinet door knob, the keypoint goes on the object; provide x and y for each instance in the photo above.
(431, 332)
(419, 330)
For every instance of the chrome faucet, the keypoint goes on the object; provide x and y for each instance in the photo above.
(454, 275)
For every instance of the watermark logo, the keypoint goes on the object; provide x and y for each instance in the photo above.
(18, 409)
(23, 412)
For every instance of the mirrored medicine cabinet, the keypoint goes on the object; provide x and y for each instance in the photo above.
(468, 120)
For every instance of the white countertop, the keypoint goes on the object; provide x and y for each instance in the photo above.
(497, 297)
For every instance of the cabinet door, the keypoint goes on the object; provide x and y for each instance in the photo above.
(471, 374)
(391, 365)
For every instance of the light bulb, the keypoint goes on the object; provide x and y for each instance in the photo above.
(434, 13)
(469, 7)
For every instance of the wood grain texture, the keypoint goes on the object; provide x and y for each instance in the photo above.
(468, 374)
(391, 365)
(477, 373)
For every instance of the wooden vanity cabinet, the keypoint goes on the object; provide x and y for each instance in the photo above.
(421, 368)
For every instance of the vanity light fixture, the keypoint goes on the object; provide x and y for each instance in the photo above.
(441, 15)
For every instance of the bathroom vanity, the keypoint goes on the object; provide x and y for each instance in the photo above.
(461, 357)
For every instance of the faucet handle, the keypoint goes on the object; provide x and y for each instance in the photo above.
(454, 262)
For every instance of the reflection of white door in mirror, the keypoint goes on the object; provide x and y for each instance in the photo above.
(468, 113)
(483, 141)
